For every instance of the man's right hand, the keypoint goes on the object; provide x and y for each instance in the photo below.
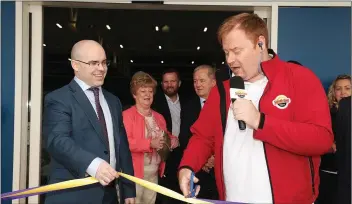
(184, 178)
(105, 173)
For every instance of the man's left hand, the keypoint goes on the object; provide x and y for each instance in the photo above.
(130, 201)
(245, 110)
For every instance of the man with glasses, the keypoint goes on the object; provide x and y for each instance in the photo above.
(85, 135)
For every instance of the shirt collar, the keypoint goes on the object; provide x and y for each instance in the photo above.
(201, 100)
(169, 99)
(83, 85)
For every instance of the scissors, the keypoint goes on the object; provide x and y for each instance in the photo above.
(193, 187)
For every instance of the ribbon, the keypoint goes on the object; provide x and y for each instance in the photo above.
(90, 180)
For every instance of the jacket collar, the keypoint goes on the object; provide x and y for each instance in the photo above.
(271, 67)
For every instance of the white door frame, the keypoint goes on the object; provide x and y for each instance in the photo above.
(23, 106)
(21, 98)
(264, 9)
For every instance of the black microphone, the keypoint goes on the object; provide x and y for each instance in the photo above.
(237, 90)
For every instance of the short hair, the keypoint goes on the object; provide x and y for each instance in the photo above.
(170, 70)
(211, 70)
(294, 62)
(331, 92)
(251, 24)
(142, 79)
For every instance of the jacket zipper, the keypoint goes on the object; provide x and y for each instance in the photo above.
(312, 174)
(264, 147)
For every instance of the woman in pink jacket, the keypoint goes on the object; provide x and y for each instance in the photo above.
(145, 129)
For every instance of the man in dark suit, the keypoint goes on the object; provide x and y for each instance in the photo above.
(203, 81)
(343, 151)
(169, 104)
(85, 135)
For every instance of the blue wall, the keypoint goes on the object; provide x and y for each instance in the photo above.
(319, 38)
(7, 93)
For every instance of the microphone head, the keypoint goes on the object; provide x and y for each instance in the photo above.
(236, 82)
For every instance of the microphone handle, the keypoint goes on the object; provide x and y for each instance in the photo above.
(241, 123)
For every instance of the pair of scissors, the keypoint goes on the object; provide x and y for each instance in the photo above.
(193, 187)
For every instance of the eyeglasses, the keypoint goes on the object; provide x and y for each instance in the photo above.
(104, 63)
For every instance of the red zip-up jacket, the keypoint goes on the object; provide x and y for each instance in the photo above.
(294, 134)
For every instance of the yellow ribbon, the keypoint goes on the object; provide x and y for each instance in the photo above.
(162, 190)
(91, 180)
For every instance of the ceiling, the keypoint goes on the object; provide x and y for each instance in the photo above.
(135, 30)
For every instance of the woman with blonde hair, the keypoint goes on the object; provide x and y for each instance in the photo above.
(146, 130)
(340, 88)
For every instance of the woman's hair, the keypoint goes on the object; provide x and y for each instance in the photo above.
(142, 79)
(331, 92)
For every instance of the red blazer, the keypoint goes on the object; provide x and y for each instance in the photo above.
(294, 137)
(135, 129)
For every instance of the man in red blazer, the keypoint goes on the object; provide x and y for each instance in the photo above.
(276, 158)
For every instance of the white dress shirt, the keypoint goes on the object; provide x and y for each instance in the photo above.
(202, 101)
(93, 167)
(175, 111)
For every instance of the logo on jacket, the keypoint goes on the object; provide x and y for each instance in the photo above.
(241, 93)
(281, 101)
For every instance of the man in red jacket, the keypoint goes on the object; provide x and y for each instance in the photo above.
(276, 158)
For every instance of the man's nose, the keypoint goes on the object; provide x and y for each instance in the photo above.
(230, 58)
(101, 67)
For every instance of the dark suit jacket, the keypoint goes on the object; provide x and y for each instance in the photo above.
(190, 113)
(343, 153)
(74, 137)
(160, 105)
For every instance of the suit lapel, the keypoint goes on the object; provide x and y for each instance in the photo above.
(114, 116)
(199, 106)
(167, 113)
(88, 109)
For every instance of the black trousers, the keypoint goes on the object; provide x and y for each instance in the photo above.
(110, 194)
(327, 188)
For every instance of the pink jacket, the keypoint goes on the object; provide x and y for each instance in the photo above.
(135, 128)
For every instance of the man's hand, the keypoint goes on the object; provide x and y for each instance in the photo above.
(174, 143)
(209, 165)
(245, 110)
(333, 148)
(184, 178)
(130, 201)
(105, 173)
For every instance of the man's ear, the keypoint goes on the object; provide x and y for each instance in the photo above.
(75, 66)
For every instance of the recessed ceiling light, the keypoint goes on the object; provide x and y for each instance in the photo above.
(58, 25)
(205, 29)
(44, 45)
(198, 48)
(162, 62)
(108, 27)
(156, 28)
(121, 46)
(222, 62)
(160, 47)
(131, 61)
(192, 62)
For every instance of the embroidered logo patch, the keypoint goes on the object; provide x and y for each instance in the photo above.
(241, 93)
(281, 101)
